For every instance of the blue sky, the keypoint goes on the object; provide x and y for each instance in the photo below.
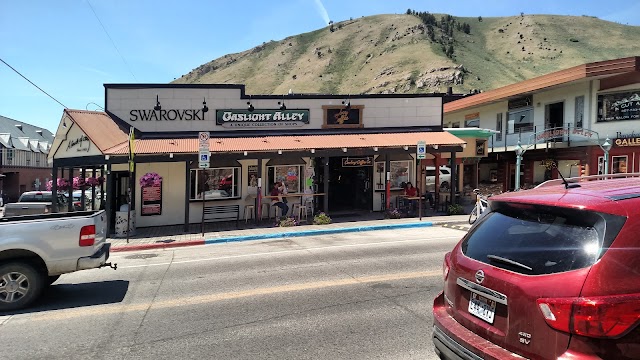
(62, 47)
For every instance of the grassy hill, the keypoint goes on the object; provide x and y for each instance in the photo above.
(403, 54)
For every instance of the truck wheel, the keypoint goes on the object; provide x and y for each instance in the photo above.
(20, 285)
(52, 279)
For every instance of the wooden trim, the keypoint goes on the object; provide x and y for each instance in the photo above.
(360, 109)
(620, 80)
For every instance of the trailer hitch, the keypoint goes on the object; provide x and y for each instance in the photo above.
(113, 266)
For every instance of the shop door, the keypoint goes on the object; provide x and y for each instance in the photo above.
(120, 188)
(349, 187)
(554, 118)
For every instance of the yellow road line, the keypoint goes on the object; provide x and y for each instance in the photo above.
(66, 314)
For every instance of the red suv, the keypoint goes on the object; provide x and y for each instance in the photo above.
(547, 273)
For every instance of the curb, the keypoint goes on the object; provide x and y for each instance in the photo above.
(156, 246)
(278, 235)
(316, 232)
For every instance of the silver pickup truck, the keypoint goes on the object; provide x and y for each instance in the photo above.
(36, 249)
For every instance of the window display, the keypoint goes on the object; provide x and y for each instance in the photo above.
(215, 183)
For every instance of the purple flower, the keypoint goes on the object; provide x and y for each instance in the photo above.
(150, 179)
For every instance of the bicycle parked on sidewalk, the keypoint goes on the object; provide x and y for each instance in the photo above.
(479, 208)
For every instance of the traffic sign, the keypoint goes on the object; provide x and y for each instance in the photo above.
(203, 155)
(203, 137)
(421, 150)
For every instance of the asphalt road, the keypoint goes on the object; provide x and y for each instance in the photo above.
(363, 295)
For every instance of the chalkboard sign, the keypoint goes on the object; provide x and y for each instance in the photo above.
(152, 200)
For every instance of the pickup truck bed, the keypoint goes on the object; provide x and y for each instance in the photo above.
(36, 249)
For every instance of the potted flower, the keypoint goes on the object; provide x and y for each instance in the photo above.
(150, 179)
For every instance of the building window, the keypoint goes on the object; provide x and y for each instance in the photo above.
(9, 156)
(401, 172)
(216, 183)
(520, 121)
(499, 126)
(619, 164)
(579, 113)
(290, 175)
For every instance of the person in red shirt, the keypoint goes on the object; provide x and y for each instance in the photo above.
(410, 191)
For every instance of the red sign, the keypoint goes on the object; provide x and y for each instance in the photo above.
(151, 200)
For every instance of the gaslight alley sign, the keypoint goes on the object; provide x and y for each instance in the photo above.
(262, 118)
(619, 106)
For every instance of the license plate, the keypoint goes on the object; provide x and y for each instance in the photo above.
(482, 307)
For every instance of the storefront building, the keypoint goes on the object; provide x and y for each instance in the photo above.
(337, 152)
(561, 121)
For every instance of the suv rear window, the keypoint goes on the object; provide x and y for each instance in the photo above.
(536, 240)
(35, 198)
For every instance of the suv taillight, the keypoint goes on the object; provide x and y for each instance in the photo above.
(598, 317)
(88, 235)
(446, 266)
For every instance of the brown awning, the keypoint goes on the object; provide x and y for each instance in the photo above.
(289, 143)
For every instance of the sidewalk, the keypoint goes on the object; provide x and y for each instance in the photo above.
(174, 236)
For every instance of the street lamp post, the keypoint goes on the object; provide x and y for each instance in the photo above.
(606, 147)
(519, 151)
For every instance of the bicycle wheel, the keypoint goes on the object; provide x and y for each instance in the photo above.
(474, 215)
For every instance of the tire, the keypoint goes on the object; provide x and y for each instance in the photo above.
(473, 216)
(52, 279)
(20, 285)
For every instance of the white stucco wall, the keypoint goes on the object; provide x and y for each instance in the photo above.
(173, 187)
(377, 112)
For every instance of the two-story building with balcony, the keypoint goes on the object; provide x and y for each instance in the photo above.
(559, 122)
(23, 161)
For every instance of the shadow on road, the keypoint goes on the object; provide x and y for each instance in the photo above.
(68, 296)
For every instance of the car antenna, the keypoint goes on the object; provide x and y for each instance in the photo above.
(564, 181)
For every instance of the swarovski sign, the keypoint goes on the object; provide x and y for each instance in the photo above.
(262, 118)
(166, 115)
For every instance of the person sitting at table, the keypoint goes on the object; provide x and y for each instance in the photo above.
(276, 199)
(411, 191)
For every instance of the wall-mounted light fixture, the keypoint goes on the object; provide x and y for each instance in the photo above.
(170, 155)
(313, 151)
(405, 148)
(375, 148)
(250, 105)
(347, 103)
(344, 149)
(282, 105)
(106, 157)
(245, 153)
(279, 152)
(157, 107)
(204, 105)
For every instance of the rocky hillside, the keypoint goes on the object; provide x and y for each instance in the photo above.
(420, 52)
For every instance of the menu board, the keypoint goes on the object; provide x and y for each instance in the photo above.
(152, 200)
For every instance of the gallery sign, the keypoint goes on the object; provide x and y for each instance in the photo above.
(262, 118)
(619, 106)
(357, 161)
(631, 139)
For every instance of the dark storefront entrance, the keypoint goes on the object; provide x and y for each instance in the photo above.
(349, 183)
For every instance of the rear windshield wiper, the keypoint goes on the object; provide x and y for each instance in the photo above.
(508, 261)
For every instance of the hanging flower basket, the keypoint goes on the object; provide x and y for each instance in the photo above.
(78, 183)
(63, 184)
(150, 179)
(91, 181)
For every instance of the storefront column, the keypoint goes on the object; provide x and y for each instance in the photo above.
(460, 177)
(54, 189)
(258, 207)
(70, 190)
(187, 192)
(454, 174)
(107, 200)
(326, 185)
(83, 174)
(387, 182)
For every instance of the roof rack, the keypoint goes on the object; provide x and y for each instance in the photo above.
(579, 179)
